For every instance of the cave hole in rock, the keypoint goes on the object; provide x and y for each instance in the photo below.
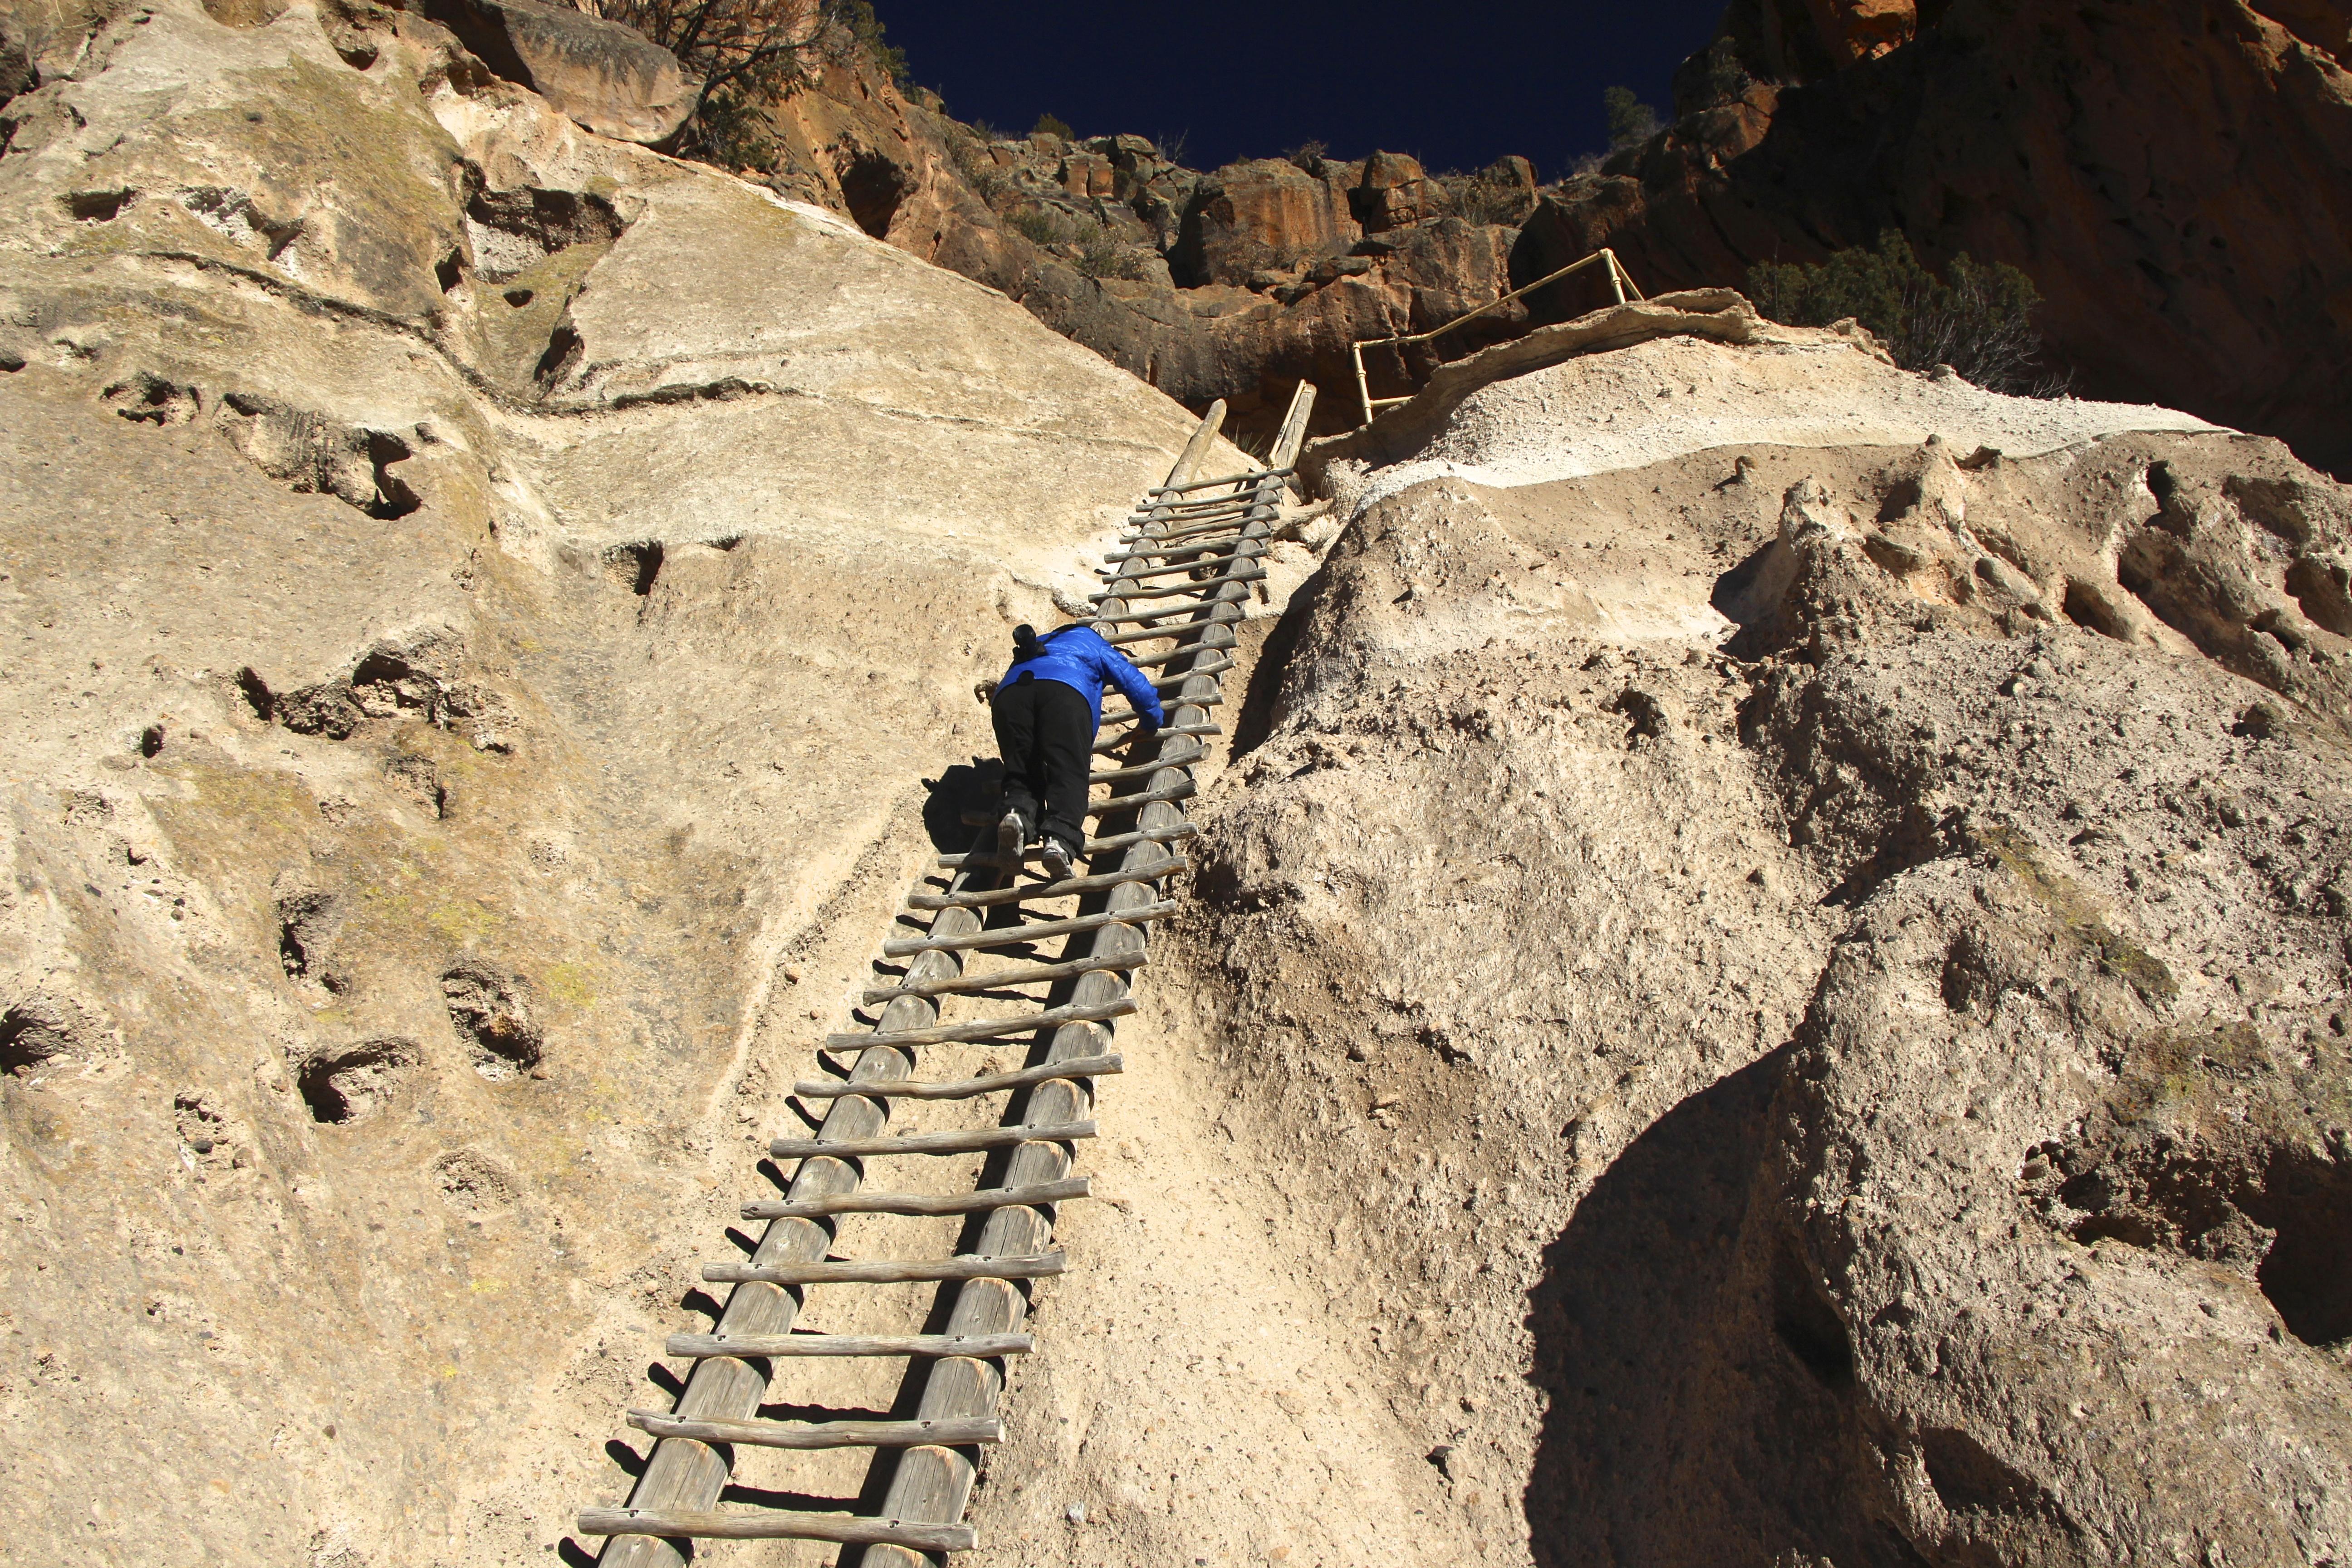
(231, 212)
(638, 564)
(418, 778)
(1967, 1479)
(97, 206)
(303, 925)
(394, 499)
(512, 231)
(2307, 1199)
(352, 1084)
(2324, 590)
(1900, 497)
(562, 350)
(449, 271)
(1646, 720)
(519, 298)
(150, 740)
(491, 1011)
(150, 399)
(872, 187)
(2088, 608)
(32, 1033)
(1805, 1323)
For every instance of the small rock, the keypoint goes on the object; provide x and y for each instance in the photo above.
(200, 1144)
(1075, 1513)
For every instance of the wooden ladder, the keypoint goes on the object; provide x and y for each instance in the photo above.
(1183, 580)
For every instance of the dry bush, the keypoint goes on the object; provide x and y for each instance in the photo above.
(749, 54)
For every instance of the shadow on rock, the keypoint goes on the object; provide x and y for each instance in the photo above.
(1630, 1322)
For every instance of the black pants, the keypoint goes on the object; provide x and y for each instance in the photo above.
(1046, 733)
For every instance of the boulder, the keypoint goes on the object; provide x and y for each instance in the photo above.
(1089, 174)
(1393, 192)
(609, 77)
(1249, 216)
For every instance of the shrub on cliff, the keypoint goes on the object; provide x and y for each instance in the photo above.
(1979, 319)
(749, 53)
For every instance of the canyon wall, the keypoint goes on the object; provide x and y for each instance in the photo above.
(483, 601)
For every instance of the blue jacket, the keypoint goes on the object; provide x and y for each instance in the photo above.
(1079, 658)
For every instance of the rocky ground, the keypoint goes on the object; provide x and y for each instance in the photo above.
(1764, 983)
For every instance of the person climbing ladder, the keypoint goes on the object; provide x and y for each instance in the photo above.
(1047, 708)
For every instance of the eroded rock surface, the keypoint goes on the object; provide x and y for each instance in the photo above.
(482, 602)
(1814, 975)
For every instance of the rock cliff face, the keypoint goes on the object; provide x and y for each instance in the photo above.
(1765, 983)
(1815, 965)
(2169, 179)
(482, 600)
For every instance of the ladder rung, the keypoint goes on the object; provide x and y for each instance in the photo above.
(979, 1029)
(1184, 789)
(1012, 936)
(704, 1524)
(779, 1347)
(1094, 846)
(1005, 979)
(1140, 770)
(947, 1434)
(1200, 553)
(1033, 1193)
(1258, 477)
(963, 1142)
(964, 1088)
(1103, 748)
(1179, 590)
(1181, 629)
(894, 1271)
(1061, 890)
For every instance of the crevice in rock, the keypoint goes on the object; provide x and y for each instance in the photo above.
(32, 1033)
(490, 1010)
(1805, 1323)
(98, 206)
(638, 564)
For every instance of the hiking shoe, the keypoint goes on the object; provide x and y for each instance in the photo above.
(1057, 858)
(1012, 834)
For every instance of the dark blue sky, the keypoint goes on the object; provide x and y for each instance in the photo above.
(1457, 86)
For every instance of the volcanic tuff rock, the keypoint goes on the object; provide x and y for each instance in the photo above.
(482, 601)
(609, 77)
(1767, 980)
(2171, 177)
(1831, 939)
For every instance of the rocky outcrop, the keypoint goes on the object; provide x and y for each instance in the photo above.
(607, 77)
(2172, 186)
(1814, 959)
